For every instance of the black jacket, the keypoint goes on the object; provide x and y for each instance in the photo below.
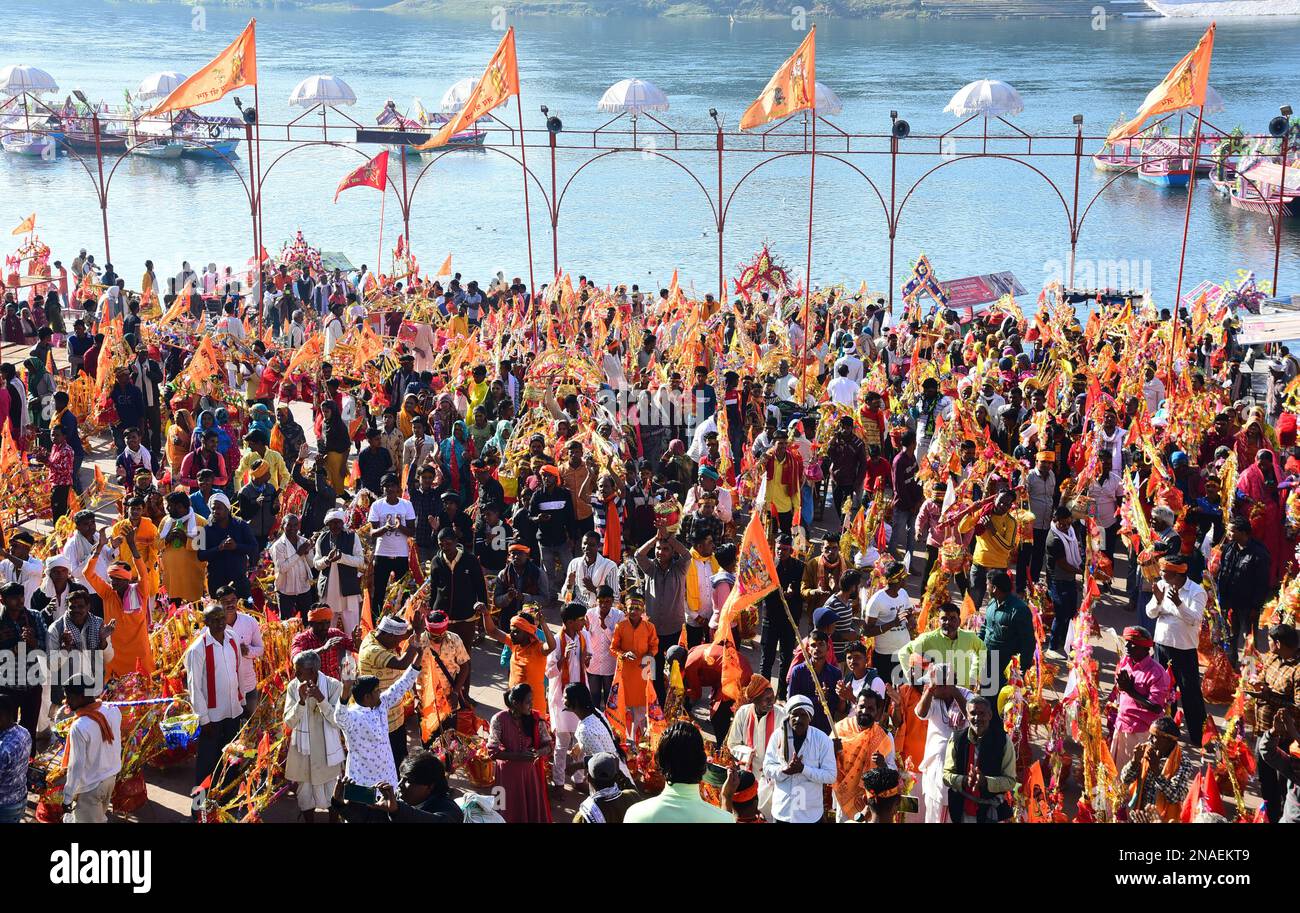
(456, 590)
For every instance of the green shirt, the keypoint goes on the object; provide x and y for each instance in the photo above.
(679, 803)
(964, 654)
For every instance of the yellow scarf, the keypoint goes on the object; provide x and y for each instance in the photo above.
(693, 580)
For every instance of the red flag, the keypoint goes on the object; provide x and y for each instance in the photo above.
(1211, 800)
(373, 173)
(1192, 802)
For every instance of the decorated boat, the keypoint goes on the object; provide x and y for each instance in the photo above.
(1265, 187)
(421, 121)
(1120, 155)
(1166, 163)
(27, 143)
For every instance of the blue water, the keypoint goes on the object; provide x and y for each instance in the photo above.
(636, 218)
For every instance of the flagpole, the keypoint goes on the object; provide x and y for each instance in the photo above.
(1187, 216)
(383, 198)
(261, 240)
(528, 221)
(807, 290)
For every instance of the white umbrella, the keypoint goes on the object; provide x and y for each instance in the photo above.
(632, 96)
(827, 101)
(159, 85)
(18, 78)
(322, 90)
(989, 97)
(454, 98)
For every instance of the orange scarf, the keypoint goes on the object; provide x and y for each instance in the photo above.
(612, 547)
(105, 730)
(853, 760)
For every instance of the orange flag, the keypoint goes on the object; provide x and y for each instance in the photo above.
(373, 173)
(313, 348)
(27, 224)
(445, 269)
(755, 575)
(9, 459)
(234, 67)
(1036, 805)
(180, 306)
(1184, 87)
(500, 81)
(791, 89)
(967, 607)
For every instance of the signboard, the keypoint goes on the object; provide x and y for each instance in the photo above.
(975, 290)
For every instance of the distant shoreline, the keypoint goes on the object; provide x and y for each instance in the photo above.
(741, 10)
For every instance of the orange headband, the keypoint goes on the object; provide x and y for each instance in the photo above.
(520, 623)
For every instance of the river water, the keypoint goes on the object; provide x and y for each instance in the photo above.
(635, 218)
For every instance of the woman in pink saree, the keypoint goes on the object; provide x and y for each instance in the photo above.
(1259, 499)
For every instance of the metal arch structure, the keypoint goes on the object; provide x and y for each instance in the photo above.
(559, 199)
(897, 213)
(783, 139)
(406, 197)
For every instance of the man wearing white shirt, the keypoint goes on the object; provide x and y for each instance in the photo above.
(334, 328)
(230, 324)
(943, 707)
(1153, 389)
(708, 485)
(786, 383)
(248, 634)
(843, 389)
(800, 760)
(94, 756)
(601, 621)
(18, 566)
(79, 548)
(1178, 605)
(752, 728)
(212, 676)
(853, 363)
(315, 758)
(294, 575)
(588, 572)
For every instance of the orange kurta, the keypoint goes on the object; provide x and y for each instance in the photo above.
(131, 636)
(528, 667)
(641, 640)
(909, 738)
(146, 541)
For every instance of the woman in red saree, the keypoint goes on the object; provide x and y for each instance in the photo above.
(1259, 500)
(518, 742)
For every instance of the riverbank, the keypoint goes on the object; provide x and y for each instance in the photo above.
(739, 10)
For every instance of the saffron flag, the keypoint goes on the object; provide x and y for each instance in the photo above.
(791, 89)
(27, 224)
(373, 173)
(445, 269)
(500, 81)
(1184, 87)
(234, 67)
(755, 575)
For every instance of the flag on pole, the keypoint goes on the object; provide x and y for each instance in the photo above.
(791, 89)
(1184, 87)
(500, 81)
(27, 224)
(373, 173)
(234, 67)
(445, 269)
